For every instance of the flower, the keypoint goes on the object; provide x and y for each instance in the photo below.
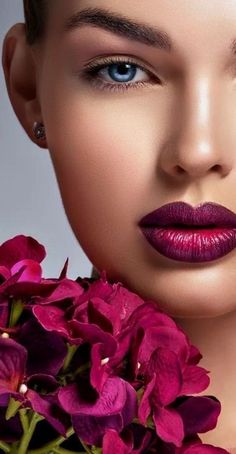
(114, 408)
(15, 382)
(94, 362)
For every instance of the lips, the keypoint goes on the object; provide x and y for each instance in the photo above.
(182, 232)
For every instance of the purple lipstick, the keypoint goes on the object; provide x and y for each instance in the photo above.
(181, 232)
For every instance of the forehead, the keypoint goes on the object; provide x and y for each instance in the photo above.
(192, 28)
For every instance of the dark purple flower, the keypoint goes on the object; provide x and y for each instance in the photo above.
(114, 408)
(15, 383)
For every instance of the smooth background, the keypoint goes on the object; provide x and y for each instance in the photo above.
(30, 202)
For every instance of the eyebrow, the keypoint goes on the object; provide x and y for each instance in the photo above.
(120, 25)
(126, 27)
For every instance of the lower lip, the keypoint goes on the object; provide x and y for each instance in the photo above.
(191, 244)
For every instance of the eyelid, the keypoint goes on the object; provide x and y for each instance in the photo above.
(120, 57)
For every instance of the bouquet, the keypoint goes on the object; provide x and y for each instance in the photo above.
(89, 366)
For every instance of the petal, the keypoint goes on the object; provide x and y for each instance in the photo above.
(199, 414)
(67, 288)
(99, 373)
(165, 337)
(50, 410)
(113, 443)
(91, 429)
(32, 272)
(19, 248)
(93, 334)
(169, 425)
(145, 404)
(51, 318)
(203, 449)
(111, 401)
(195, 380)
(114, 408)
(164, 363)
(12, 365)
(46, 350)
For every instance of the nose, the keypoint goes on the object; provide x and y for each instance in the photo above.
(196, 148)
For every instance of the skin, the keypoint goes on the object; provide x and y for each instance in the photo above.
(119, 155)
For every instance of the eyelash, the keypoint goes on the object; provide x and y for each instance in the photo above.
(90, 74)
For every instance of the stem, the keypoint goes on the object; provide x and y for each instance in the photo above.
(25, 440)
(17, 308)
(4, 447)
(24, 419)
(70, 353)
(53, 444)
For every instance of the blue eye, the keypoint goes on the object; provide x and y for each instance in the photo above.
(115, 73)
(123, 72)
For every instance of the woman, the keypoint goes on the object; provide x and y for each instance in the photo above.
(137, 106)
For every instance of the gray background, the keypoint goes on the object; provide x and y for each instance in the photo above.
(30, 202)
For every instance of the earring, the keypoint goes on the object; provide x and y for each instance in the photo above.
(39, 130)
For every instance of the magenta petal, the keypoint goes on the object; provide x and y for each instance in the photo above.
(4, 272)
(113, 443)
(203, 449)
(51, 412)
(93, 334)
(64, 289)
(169, 377)
(115, 408)
(199, 414)
(64, 270)
(21, 247)
(194, 355)
(195, 380)
(99, 373)
(169, 425)
(32, 273)
(165, 337)
(12, 365)
(145, 405)
(111, 400)
(51, 318)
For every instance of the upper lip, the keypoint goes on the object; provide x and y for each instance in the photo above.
(182, 213)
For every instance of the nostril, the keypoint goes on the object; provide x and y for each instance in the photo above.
(179, 170)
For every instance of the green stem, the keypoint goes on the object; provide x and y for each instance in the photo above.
(17, 307)
(70, 353)
(24, 419)
(25, 440)
(53, 444)
(4, 447)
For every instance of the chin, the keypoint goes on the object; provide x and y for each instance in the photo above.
(179, 300)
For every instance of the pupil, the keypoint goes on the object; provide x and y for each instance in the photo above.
(122, 72)
(122, 68)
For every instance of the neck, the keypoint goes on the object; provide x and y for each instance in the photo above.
(216, 340)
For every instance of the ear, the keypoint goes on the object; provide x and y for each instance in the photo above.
(19, 66)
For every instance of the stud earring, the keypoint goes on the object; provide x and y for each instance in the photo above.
(39, 130)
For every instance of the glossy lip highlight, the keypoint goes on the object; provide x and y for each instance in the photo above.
(184, 233)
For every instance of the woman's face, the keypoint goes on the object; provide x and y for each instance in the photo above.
(120, 153)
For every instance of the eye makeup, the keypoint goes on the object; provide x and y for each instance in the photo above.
(90, 74)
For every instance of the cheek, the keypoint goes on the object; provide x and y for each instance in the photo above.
(103, 167)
